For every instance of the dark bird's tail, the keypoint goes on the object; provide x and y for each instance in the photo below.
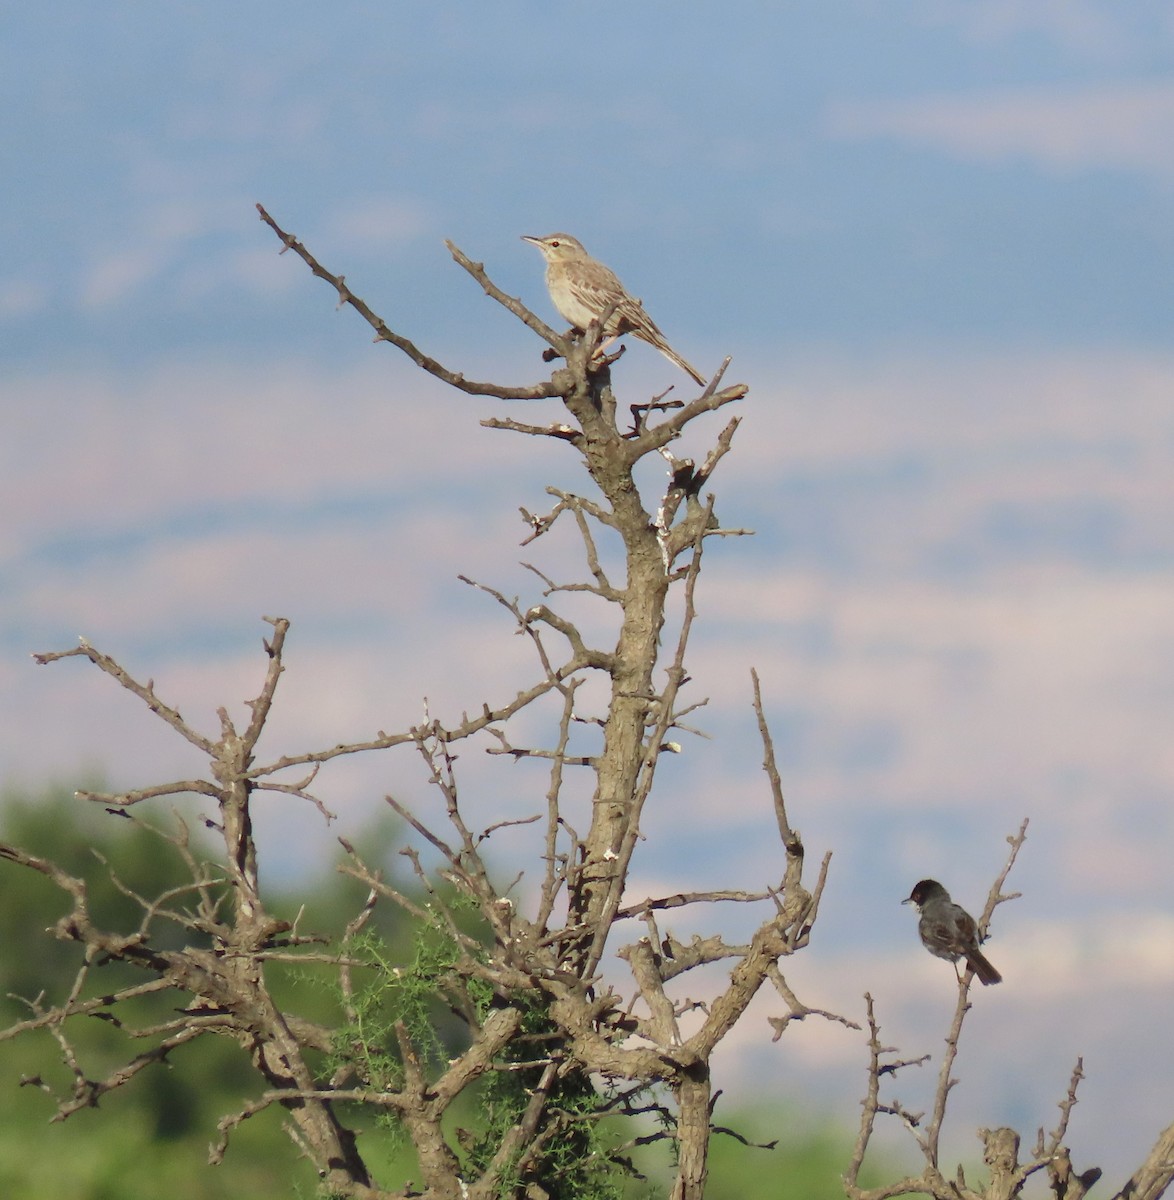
(981, 966)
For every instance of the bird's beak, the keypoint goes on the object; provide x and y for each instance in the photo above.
(532, 240)
(907, 900)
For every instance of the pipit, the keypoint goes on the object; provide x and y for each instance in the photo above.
(583, 289)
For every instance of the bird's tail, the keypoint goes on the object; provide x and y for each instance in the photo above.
(982, 967)
(631, 318)
(673, 356)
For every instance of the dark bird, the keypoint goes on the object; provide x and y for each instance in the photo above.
(948, 930)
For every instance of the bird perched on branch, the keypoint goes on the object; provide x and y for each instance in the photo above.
(583, 289)
(948, 930)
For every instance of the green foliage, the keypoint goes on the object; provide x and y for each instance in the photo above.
(575, 1161)
(394, 988)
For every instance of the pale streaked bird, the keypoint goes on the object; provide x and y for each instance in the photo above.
(582, 289)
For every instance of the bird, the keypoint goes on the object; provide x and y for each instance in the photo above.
(948, 930)
(582, 289)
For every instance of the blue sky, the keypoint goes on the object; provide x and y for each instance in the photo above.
(936, 238)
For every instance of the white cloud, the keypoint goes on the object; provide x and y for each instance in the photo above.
(112, 276)
(1094, 30)
(20, 297)
(193, 500)
(94, 451)
(378, 222)
(1126, 126)
(973, 402)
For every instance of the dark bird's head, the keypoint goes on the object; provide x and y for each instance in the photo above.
(927, 889)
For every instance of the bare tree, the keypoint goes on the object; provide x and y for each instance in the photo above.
(556, 1037)
(520, 962)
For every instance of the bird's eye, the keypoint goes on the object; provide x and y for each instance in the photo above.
(554, 245)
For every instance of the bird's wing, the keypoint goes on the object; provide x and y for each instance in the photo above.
(966, 926)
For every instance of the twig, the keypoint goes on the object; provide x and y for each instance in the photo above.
(384, 334)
